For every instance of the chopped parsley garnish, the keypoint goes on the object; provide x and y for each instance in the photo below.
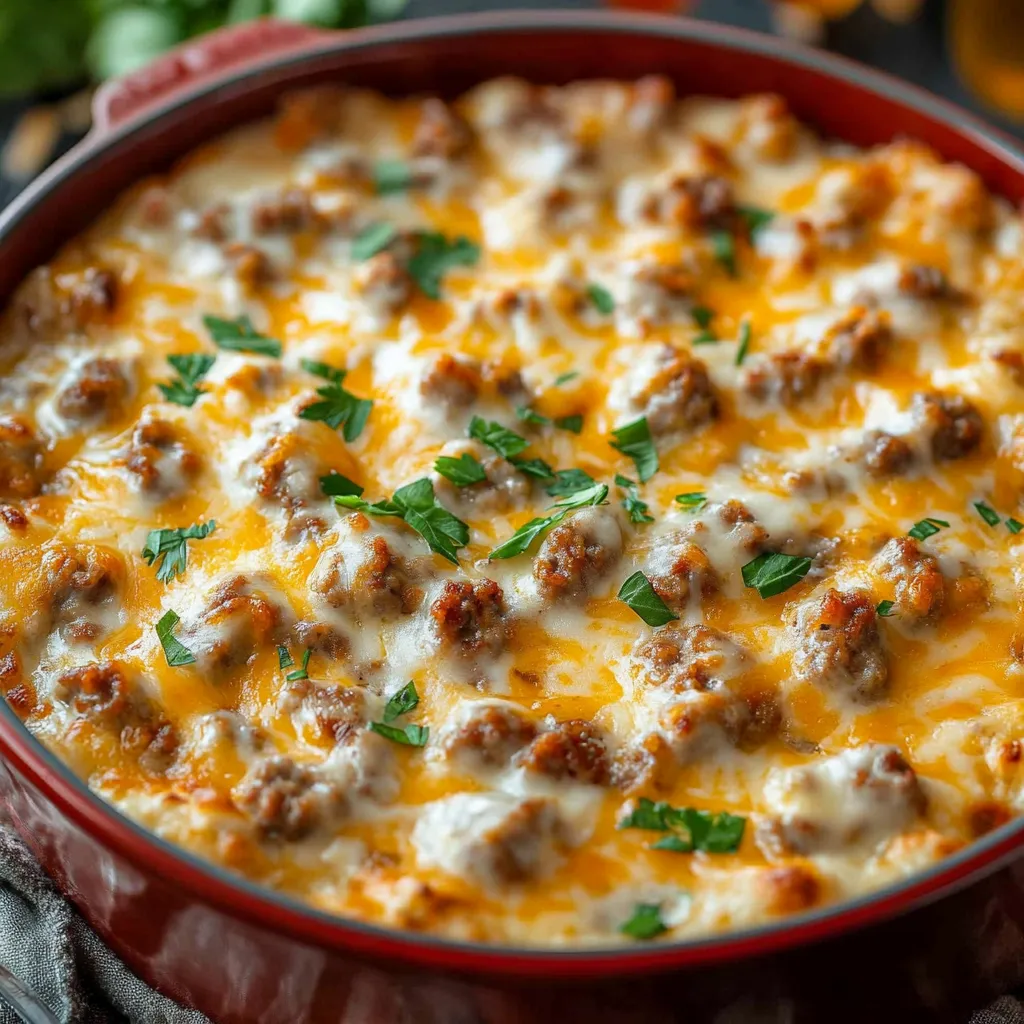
(707, 831)
(191, 370)
(507, 443)
(337, 407)
(417, 505)
(172, 547)
(1014, 525)
(530, 533)
(744, 346)
(564, 378)
(390, 176)
(927, 527)
(601, 299)
(334, 485)
(645, 922)
(402, 702)
(574, 424)
(372, 240)
(531, 416)
(464, 471)
(301, 672)
(634, 439)
(408, 735)
(569, 481)
(240, 336)
(987, 512)
(639, 595)
(175, 651)
(533, 467)
(435, 255)
(702, 316)
(638, 511)
(284, 659)
(723, 246)
(755, 218)
(885, 608)
(773, 572)
(692, 499)
(704, 338)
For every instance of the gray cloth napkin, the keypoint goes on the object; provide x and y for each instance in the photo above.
(57, 956)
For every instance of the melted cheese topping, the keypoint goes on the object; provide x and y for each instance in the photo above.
(880, 385)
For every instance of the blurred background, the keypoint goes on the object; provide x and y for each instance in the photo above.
(54, 52)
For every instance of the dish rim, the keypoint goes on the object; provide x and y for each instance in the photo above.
(238, 896)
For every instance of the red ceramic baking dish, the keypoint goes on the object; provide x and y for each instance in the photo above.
(938, 943)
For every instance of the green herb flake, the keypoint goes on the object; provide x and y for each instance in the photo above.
(175, 652)
(645, 922)
(324, 370)
(507, 443)
(240, 336)
(533, 467)
(334, 485)
(574, 424)
(401, 703)
(773, 573)
(693, 829)
(435, 255)
(1014, 525)
(637, 510)
(704, 338)
(601, 299)
(885, 608)
(191, 370)
(639, 595)
(464, 471)
(569, 481)
(391, 176)
(634, 440)
(372, 240)
(927, 527)
(301, 672)
(702, 317)
(744, 346)
(987, 512)
(526, 537)
(339, 408)
(692, 499)
(284, 659)
(564, 378)
(170, 547)
(528, 415)
(723, 247)
(409, 735)
(754, 217)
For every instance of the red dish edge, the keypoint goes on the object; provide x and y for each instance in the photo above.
(1004, 165)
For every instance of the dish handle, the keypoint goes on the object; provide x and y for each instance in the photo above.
(194, 63)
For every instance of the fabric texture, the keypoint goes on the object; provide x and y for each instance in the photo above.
(53, 952)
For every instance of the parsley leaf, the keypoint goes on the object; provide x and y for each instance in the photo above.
(692, 499)
(533, 467)
(927, 527)
(645, 922)
(325, 370)
(240, 336)
(564, 378)
(702, 316)
(505, 442)
(987, 512)
(884, 608)
(634, 439)
(601, 298)
(334, 484)
(372, 240)
(299, 673)
(175, 652)
(723, 247)
(191, 370)
(639, 511)
(463, 471)
(704, 338)
(409, 735)
(773, 572)
(755, 218)
(529, 533)
(402, 702)
(744, 346)
(531, 416)
(569, 481)
(638, 594)
(390, 176)
(435, 254)
(172, 547)
(339, 408)
(574, 424)
(284, 659)
(416, 503)
(1014, 525)
(707, 831)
